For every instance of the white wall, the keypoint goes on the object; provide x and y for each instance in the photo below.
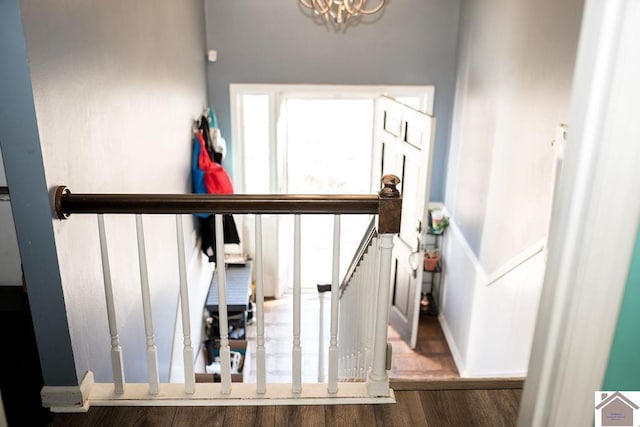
(10, 270)
(116, 85)
(515, 68)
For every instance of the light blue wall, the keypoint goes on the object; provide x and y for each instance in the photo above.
(623, 370)
(24, 170)
(413, 42)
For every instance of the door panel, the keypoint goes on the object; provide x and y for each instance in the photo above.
(411, 209)
(403, 146)
(402, 277)
(392, 123)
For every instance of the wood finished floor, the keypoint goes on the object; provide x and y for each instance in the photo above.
(431, 359)
(441, 408)
(428, 389)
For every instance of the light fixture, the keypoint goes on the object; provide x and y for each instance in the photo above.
(341, 10)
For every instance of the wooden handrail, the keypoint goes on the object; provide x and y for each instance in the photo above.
(68, 203)
(387, 204)
(368, 236)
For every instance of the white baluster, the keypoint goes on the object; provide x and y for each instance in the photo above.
(187, 351)
(352, 323)
(225, 356)
(116, 351)
(261, 387)
(369, 304)
(345, 332)
(343, 307)
(321, 338)
(372, 300)
(362, 313)
(152, 354)
(297, 349)
(359, 309)
(335, 290)
(377, 379)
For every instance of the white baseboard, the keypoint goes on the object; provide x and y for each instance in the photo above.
(499, 374)
(457, 357)
(68, 398)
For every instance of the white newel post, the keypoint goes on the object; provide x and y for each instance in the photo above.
(371, 300)
(389, 214)
(377, 379)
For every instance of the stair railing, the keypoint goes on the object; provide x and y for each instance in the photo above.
(367, 289)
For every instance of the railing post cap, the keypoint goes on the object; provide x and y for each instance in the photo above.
(389, 190)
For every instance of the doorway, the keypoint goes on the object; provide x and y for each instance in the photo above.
(308, 139)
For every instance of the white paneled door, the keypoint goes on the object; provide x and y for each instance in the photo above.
(403, 146)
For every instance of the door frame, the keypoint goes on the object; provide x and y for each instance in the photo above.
(277, 93)
(583, 284)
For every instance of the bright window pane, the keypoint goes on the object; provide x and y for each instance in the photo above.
(329, 145)
(256, 143)
(329, 152)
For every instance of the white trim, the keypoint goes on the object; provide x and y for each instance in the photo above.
(481, 274)
(278, 92)
(584, 284)
(242, 394)
(517, 261)
(453, 346)
(498, 374)
(426, 92)
(277, 95)
(237, 134)
(69, 398)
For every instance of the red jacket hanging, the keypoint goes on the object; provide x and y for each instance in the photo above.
(216, 179)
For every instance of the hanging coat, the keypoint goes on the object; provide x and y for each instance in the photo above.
(209, 177)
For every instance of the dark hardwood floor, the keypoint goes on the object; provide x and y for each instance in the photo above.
(433, 408)
(428, 389)
(431, 359)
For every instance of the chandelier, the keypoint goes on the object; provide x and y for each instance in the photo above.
(341, 10)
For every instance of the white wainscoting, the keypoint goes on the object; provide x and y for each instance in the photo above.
(490, 328)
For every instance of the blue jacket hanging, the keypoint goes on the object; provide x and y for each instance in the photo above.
(197, 175)
(206, 222)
